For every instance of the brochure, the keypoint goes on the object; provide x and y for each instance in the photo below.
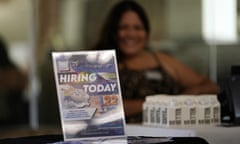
(89, 94)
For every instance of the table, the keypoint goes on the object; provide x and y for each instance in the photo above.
(141, 130)
(212, 134)
(58, 139)
(219, 134)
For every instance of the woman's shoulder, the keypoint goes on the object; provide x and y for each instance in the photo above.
(165, 57)
(168, 62)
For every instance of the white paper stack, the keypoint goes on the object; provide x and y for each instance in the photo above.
(181, 110)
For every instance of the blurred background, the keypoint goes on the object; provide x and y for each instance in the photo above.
(31, 29)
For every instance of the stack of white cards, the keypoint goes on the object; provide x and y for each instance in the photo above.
(181, 110)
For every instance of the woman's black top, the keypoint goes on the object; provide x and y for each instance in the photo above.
(137, 84)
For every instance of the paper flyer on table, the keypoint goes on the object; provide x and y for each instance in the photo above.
(89, 94)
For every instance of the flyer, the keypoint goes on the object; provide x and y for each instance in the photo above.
(89, 94)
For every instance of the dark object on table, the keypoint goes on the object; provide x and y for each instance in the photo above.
(43, 139)
(230, 99)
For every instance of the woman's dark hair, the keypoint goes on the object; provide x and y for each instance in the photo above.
(108, 35)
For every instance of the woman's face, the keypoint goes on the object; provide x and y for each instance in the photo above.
(132, 36)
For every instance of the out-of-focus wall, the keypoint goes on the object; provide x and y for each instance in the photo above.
(183, 19)
(72, 23)
(14, 17)
(96, 13)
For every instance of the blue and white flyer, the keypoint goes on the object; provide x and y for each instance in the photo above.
(89, 94)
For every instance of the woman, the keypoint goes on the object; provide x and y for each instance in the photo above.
(143, 72)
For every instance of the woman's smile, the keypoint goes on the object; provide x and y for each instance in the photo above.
(131, 34)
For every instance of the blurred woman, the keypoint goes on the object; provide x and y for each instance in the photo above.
(143, 72)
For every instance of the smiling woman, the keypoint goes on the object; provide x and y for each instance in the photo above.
(131, 34)
(143, 72)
